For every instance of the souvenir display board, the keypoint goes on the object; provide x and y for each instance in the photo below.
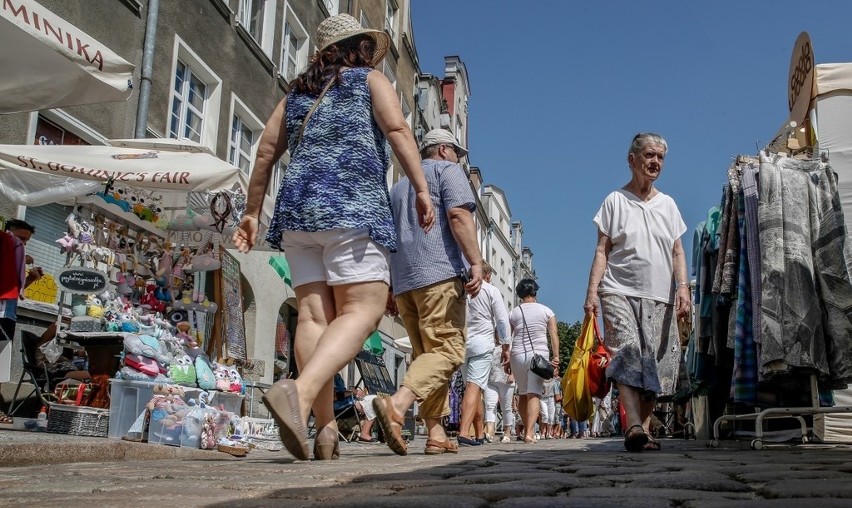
(232, 319)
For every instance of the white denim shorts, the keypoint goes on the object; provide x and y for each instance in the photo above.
(476, 369)
(336, 256)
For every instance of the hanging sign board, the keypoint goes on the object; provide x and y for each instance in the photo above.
(82, 281)
(801, 80)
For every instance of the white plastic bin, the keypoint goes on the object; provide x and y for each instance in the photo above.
(227, 401)
(127, 401)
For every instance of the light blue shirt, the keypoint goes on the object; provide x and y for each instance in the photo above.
(423, 259)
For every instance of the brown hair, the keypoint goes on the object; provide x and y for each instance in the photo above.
(325, 65)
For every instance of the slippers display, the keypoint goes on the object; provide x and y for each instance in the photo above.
(282, 401)
(434, 447)
(635, 439)
(391, 425)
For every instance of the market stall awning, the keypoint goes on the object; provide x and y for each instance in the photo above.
(48, 63)
(34, 175)
(282, 268)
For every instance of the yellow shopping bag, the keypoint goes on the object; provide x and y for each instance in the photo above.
(576, 397)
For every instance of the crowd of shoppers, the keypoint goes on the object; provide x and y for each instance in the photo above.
(357, 251)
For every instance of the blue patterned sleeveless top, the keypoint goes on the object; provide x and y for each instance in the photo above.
(337, 174)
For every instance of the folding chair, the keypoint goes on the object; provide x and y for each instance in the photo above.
(377, 381)
(32, 374)
(345, 412)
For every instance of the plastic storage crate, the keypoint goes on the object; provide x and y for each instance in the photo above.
(127, 401)
(227, 401)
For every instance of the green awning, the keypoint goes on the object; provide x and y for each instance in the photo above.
(374, 344)
(282, 267)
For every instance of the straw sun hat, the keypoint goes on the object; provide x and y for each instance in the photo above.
(344, 26)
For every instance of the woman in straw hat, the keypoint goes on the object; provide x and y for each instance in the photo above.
(332, 215)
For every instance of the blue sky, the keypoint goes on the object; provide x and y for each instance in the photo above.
(559, 88)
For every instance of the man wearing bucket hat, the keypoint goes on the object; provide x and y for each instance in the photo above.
(332, 215)
(429, 283)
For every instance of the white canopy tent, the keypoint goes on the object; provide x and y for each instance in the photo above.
(832, 110)
(832, 122)
(49, 63)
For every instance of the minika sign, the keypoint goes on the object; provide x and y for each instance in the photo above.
(82, 281)
(801, 80)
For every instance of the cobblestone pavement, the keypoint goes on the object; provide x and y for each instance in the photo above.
(566, 472)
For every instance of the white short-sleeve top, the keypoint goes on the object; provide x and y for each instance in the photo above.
(642, 234)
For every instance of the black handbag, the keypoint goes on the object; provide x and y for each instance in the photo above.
(539, 364)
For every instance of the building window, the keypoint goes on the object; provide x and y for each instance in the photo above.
(195, 98)
(332, 6)
(406, 111)
(246, 129)
(365, 21)
(188, 104)
(386, 68)
(275, 182)
(251, 17)
(294, 49)
(239, 148)
(390, 20)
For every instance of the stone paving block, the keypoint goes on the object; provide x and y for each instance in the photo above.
(591, 502)
(769, 503)
(364, 501)
(705, 480)
(617, 468)
(489, 492)
(793, 474)
(554, 480)
(677, 495)
(816, 488)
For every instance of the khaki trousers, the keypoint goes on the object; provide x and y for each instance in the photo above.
(435, 317)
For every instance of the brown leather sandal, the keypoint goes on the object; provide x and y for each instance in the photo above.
(434, 447)
(635, 439)
(282, 401)
(391, 424)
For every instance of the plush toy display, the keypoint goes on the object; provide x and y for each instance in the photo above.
(167, 410)
(182, 370)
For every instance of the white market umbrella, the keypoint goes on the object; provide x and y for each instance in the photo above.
(46, 62)
(166, 170)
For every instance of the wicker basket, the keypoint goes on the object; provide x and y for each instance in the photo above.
(78, 420)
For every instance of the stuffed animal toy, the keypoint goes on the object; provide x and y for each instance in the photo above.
(168, 410)
(223, 377)
(67, 243)
(184, 336)
(203, 370)
(94, 307)
(182, 370)
(236, 385)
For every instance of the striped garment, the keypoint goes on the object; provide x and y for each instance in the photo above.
(424, 259)
(744, 383)
(337, 174)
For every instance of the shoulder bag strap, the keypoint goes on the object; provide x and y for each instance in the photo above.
(313, 108)
(532, 349)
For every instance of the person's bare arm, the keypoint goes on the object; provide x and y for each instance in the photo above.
(388, 114)
(553, 331)
(596, 273)
(464, 231)
(683, 293)
(270, 148)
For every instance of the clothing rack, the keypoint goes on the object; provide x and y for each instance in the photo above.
(780, 412)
